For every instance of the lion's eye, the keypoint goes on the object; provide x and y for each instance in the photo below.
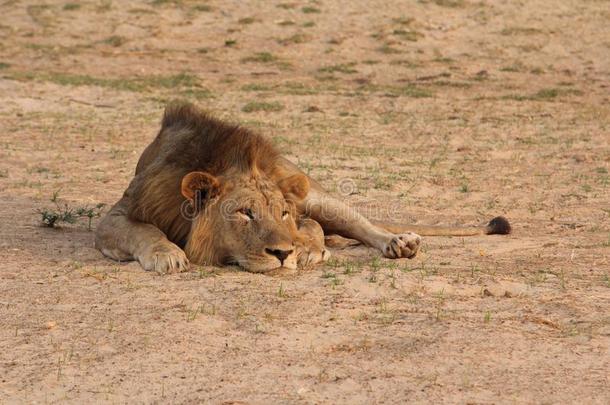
(285, 214)
(247, 212)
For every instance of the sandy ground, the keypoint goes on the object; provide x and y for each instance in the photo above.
(437, 112)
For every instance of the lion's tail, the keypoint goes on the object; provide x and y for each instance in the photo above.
(498, 225)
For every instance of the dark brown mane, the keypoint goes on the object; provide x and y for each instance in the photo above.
(212, 145)
(190, 140)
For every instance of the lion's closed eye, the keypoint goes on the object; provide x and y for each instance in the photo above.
(246, 213)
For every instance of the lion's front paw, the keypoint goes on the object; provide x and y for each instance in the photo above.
(403, 245)
(308, 255)
(164, 258)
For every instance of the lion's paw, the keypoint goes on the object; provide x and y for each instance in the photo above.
(308, 256)
(164, 258)
(402, 245)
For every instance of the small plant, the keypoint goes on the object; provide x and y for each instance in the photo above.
(281, 292)
(62, 212)
(487, 317)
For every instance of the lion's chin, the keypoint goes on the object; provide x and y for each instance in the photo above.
(263, 267)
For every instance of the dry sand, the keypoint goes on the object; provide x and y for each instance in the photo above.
(439, 111)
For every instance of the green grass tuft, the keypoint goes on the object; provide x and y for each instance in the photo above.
(260, 57)
(135, 84)
(115, 40)
(347, 68)
(71, 6)
(310, 10)
(256, 106)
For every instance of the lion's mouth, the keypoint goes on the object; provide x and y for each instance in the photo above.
(263, 264)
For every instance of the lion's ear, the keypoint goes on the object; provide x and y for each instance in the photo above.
(199, 186)
(294, 187)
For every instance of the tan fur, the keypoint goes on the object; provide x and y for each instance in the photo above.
(215, 193)
(213, 190)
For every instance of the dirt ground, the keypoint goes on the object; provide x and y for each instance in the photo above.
(433, 111)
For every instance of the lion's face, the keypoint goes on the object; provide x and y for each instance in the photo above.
(244, 220)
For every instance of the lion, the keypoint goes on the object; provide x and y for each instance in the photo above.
(212, 193)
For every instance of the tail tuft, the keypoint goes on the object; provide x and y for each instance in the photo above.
(499, 226)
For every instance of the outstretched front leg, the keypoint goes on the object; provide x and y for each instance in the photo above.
(121, 238)
(337, 217)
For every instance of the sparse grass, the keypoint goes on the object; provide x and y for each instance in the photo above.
(197, 93)
(403, 20)
(257, 106)
(515, 67)
(408, 35)
(298, 89)
(192, 313)
(409, 90)
(388, 50)
(347, 68)
(115, 40)
(546, 94)
(549, 94)
(104, 6)
(384, 314)
(135, 84)
(520, 31)
(71, 6)
(230, 43)
(404, 62)
(287, 6)
(449, 3)
(4, 65)
(294, 39)
(310, 10)
(260, 57)
(257, 87)
(247, 20)
(203, 8)
(440, 303)
(443, 59)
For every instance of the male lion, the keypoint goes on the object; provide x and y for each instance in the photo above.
(212, 193)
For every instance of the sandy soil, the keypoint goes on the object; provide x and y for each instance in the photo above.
(437, 111)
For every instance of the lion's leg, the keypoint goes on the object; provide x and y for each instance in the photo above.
(309, 243)
(121, 238)
(336, 217)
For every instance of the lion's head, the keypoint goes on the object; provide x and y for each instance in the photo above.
(243, 218)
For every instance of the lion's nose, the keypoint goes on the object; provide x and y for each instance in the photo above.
(279, 253)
